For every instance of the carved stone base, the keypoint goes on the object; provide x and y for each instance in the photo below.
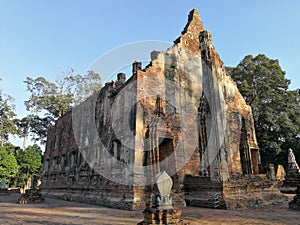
(292, 178)
(295, 204)
(164, 217)
(31, 196)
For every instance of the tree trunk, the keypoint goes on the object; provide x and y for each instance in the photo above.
(24, 142)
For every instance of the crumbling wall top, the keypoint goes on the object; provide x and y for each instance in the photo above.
(194, 24)
(190, 34)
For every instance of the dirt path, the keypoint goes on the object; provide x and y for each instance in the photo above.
(56, 212)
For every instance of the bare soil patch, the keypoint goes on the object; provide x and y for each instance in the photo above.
(54, 211)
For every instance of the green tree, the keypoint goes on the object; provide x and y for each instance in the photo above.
(276, 110)
(7, 118)
(55, 99)
(34, 126)
(8, 165)
(58, 97)
(30, 163)
(84, 86)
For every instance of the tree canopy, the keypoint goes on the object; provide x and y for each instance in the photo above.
(50, 100)
(8, 164)
(57, 98)
(30, 163)
(7, 117)
(276, 109)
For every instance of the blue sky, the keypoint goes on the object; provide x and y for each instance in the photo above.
(45, 38)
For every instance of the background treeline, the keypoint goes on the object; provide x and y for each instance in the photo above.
(276, 109)
(17, 165)
(48, 100)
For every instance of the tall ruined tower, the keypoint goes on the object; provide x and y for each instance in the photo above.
(182, 114)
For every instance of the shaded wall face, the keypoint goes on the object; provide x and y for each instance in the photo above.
(95, 139)
(60, 144)
(115, 123)
(216, 142)
(179, 79)
(240, 141)
(173, 118)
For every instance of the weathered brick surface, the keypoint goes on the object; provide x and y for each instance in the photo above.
(183, 113)
(241, 191)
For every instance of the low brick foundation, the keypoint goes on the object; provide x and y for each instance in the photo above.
(109, 197)
(239, 192)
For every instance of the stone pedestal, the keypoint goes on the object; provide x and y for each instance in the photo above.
(295, 204)
(31, 196)
(292, 177)
(156, 216)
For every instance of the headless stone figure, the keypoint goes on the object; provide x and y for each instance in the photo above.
(162, 191)
(292, 163)
(162, 210)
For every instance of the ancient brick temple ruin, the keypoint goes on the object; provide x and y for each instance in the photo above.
(182, 113)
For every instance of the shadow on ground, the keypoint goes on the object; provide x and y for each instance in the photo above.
(54, 212)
